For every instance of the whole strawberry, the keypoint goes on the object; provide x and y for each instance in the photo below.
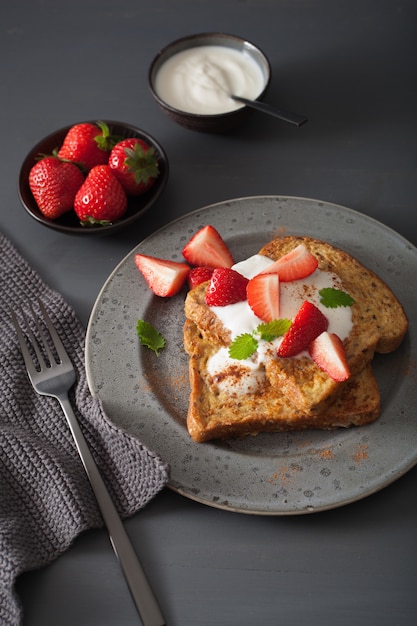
(135, 164)
(101, 199)
(54, 184)
(87, 144)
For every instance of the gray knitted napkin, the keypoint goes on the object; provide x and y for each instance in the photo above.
(45, 497)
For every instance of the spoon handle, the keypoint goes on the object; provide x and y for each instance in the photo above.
(292, 118)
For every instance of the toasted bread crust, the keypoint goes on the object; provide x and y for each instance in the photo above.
(378, 307)
(297, 394)
(214, 415)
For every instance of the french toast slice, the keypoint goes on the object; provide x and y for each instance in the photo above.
(214, 414)
(296, 394)
(379, 324)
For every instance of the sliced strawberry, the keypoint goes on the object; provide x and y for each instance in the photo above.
(199, 275)
(164, 278)
(328, 352)
(296, 264)
(207, 248)
(263, 296)
(226, 287)
(308, 324)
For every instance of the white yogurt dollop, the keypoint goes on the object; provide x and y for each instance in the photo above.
(233, 376)
(253, 265)
(201, 80)
(239, 319)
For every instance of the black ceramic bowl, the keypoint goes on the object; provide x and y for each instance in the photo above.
(69, 222)
(219, 122)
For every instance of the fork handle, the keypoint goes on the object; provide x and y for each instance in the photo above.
(137, 581)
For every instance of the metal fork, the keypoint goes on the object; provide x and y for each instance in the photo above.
(54, 375)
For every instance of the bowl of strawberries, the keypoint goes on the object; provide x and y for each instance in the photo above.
(92, 177)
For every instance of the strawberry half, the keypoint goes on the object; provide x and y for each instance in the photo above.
(226, 287)
(296, 264)
(263, 296)
(199, 275)
(308, 324)
(163, 277)
(328, 352)
(207, 248)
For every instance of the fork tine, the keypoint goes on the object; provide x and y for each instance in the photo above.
(43, 342)
(58, 345)
(43, 338)
(30, 366)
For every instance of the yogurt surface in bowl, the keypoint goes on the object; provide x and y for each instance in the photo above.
(200, 80)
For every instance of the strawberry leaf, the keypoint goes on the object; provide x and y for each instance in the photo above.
(142, 163)
(332, 298)
(149, 336)
(106, 141)
(243, 347)
(89, 221)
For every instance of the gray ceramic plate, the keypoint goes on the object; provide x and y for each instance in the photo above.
(273, 474)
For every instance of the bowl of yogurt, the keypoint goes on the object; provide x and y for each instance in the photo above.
(193, 80)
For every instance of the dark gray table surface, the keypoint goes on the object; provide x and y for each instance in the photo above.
(350, 66)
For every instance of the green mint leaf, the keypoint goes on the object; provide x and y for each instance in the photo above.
(149, 336)
(243, 347)
(332, 298)
(246, 344)
(271, 330)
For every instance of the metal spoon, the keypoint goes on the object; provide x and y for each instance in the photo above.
(287, 116)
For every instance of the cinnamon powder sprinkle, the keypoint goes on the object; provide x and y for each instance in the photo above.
(284, 474)
(361, 454)
(326, 454)
(179, 380)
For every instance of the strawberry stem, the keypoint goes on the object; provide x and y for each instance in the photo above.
(142, 163)
(106, 141)
(90, 222)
